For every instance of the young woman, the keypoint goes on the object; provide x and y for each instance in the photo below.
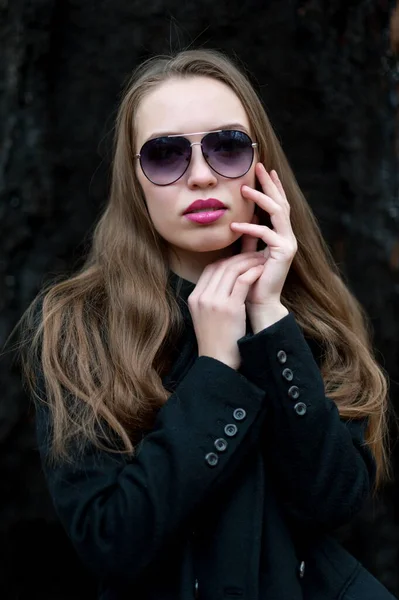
(209, 407)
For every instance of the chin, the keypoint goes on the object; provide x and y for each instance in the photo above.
(212, 246)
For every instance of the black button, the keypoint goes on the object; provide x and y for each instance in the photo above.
(293, 392)
(230, 430)
(212, 459)
(220, 444)
(281, 356)
(239, 414)
(300, 409)
(288, 374)
(301, 569)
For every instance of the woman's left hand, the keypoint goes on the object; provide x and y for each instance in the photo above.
(264, 297)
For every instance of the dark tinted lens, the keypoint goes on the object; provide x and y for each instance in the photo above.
(229, 153)
(165, 159)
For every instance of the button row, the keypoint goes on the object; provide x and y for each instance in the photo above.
(293, 391)
(230, 430)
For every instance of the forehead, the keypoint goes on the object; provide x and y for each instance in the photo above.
(188, 105)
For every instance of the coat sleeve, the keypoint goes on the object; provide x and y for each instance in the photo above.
(120, 513)
(319, 462)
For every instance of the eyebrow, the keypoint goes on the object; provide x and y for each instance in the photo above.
(225, 126)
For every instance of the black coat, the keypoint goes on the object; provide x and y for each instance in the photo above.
(234, 492)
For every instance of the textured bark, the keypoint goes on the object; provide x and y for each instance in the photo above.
(328, 74)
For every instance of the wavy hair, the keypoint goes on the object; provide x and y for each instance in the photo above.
(98, 342)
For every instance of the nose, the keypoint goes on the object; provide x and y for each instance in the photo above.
(200, 174)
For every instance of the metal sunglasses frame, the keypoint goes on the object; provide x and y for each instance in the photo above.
(203, 133)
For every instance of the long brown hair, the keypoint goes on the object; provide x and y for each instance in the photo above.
(100, 339)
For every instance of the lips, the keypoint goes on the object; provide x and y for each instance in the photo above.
(204, 205)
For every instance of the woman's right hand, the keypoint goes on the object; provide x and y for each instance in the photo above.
(217, 305)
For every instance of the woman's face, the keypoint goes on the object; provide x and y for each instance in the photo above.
(184, 106)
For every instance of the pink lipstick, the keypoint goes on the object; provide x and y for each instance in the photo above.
(206, 216)
(205, 211)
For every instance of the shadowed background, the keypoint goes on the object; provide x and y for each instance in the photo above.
(329, 77)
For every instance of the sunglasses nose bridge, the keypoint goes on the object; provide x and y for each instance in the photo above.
(200, 169)
(197, 144)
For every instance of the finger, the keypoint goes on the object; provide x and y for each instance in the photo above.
(268, 185)
(212, 274)
(223, 286)
(278, 214)
(203, 280)
(244, 282)
(248, 242)
(278, 183)
(269, 236)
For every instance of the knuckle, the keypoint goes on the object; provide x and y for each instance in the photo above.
(294, 243)
(207, 304)
(192, 300)
(202, 302)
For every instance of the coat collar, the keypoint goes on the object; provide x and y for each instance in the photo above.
(183, 351)
(182, 286)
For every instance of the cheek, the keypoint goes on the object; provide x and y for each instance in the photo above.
(151, 195)
(160, 204)
(156, 205)
(250, 180)
(251, 175)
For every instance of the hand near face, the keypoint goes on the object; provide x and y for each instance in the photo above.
(264, 296)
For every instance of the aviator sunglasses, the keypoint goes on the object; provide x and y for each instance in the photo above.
(228, 152)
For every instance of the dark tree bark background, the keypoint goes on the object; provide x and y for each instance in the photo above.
(328, 74)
